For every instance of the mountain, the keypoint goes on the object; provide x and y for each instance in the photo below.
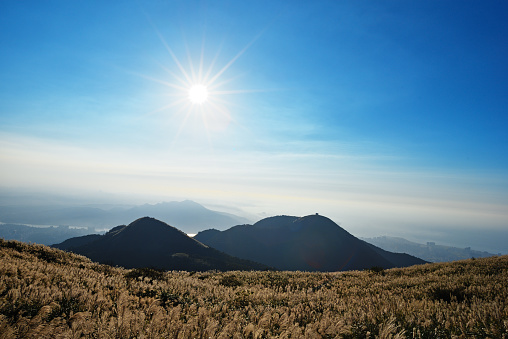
(148, 242)
(41, 235)
(190, 216)
(429, 252)
(76, 242)
(311, 243)
(49, 215)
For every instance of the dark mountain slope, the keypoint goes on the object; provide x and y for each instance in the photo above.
(71, 243)
(397, 259)
(311, 243)
(148, 242)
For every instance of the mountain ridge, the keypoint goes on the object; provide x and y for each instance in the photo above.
(309, 243)
(148, 242)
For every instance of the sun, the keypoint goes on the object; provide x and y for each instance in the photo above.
(200, 90)
(198, 94)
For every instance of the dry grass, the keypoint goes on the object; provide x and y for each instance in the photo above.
(47, 293)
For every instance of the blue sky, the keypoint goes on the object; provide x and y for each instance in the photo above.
(388, 116)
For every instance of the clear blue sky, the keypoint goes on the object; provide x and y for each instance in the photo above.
(388, 116)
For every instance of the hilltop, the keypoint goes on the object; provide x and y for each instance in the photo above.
(148, 242)
(47, 293)
(310, 243)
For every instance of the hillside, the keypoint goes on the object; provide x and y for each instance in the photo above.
(148, 242)
(48, 293)
(431, 251)
(310, 243)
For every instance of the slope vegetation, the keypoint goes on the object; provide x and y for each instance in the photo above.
(48, 293)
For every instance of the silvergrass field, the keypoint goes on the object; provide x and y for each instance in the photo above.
(49, 293)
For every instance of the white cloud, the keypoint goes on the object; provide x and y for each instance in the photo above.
(353, 191)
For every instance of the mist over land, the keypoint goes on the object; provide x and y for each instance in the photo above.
(98, 213)
(190, 216)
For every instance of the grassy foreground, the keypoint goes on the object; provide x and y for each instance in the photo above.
(48, 293)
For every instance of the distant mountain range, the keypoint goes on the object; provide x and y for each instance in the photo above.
(190, 216)
(430, 251)
(311, 243)
(148, 242)
(41, 235)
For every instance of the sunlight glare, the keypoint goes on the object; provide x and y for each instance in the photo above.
(198, 94)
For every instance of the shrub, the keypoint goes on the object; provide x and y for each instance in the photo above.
(230, 281)
(448, 294)
(145, 272)
(377, 270)
(66, 307)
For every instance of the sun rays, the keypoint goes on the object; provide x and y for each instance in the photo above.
(199, 89)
